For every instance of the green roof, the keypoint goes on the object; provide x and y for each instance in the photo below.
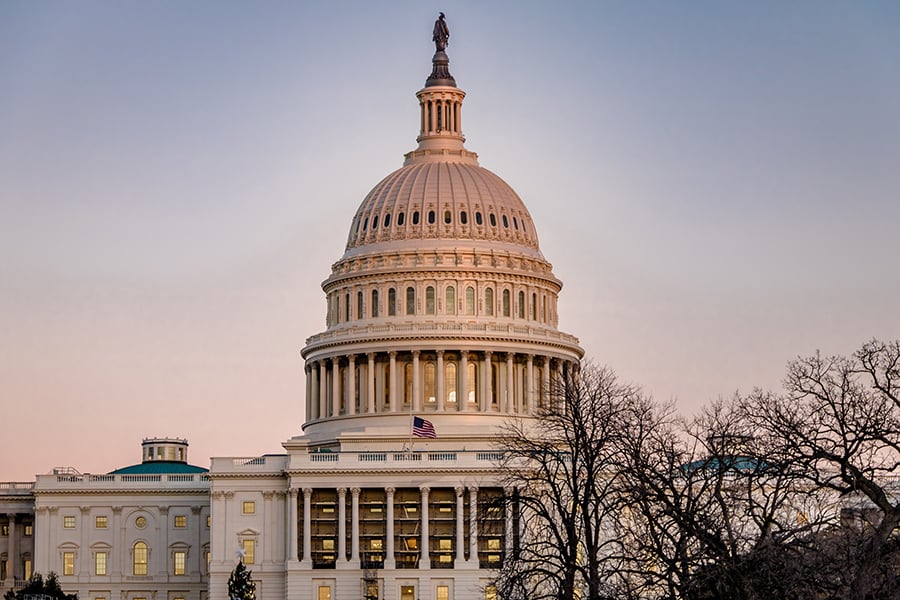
(155, 467)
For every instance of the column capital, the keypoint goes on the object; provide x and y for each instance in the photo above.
(268, 494)
(229, 495)
(11, 516)
(487, 354)
(424, 489)
(306, 491)
(416, 353)
(460, 490)
(164, 510)
(473, 490)
(392, 354)
(439, 353)
(342, 491)
(389, 491)
(370, 355)
(195, 509)
(355, 491)
(87, 509)
(510, 356)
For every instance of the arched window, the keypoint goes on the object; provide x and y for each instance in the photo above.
(431, 217)
(346, 307)
(470, 300)
(489, 302)
(478, 219)
(534, 307)
(392, 302)
(374, 309)
(407, 384)
(387, 220)
(506, 312)
(463, 217)
(544, 309)
(430, 383)
(505, 222)
(516, 223)
(415, 217)
(399, 219)
(429, 300)
(410, 300)
(521, 305)
(493, 220)
(450, 381)
(365, 223)
(359, 305)
(375, 222)
(139, 558)
(447, 217)
(472, 382)
(450, 300)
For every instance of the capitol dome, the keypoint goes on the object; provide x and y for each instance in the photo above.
(442, 304)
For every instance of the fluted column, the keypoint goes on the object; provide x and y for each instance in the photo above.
(508, 518)
(307, 525)
(314, 393)
(546, 382)
(416, 383)
(307, 372)
(487, 383)
(460, 528)
(510, 387)
(473, 525)
(440, 381)
(424, 558)
(292, 526)
(351, 385)
(389, 562)
(529, 384)
(13, 557)
(370, 383)
(336, 386)
(354, 525)
(323, 389)
(392, 380)
(342, 525)
(462, 393)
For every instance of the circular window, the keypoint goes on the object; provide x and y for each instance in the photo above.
(140, 522)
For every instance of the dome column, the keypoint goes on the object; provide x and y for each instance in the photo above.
(416, 382)
(545, 385)
(529, 384)
(351, 384)
(462, 394)
(509, 400)
(487, 383)
(440, 381)
(392, 381)
(335, 386)
(370, 383)
(323, 389)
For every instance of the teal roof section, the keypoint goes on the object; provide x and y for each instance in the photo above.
(157, 467)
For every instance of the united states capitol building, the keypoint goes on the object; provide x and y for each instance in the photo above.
(441, 313)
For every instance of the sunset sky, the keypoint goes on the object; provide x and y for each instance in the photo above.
(716, 183)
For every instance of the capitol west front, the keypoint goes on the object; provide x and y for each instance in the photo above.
(442, 308)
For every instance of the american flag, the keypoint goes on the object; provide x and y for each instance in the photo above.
(423, 428)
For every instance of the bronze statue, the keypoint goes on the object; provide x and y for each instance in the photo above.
(441, 34)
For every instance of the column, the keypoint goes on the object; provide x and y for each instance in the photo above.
(342, 525)
(354, 525)
(440, 381)
(12, 561)
(199, 559)
(487, 383)
(268, 517)
(460, 528)
(309, 398)
(119, 531)
(370, 383)
(389, 562)
(510, 386)
(424, 558)
(323, 389)
(529, 384)
(508, 517)
(164, 538)
(307, 525)
(351, 384)
(314, 393)
(473, 525)
(292, 526)
(416, 383)
(462, 390)
(546, 382)
(335, 386)
(392, 382)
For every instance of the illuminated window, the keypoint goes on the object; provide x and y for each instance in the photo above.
(249, 547)
(4, 530)
(445, 545)
(248, 508)
(450, 381)
(447, 217)
(180, 521)
(430, 382)
(375, 544)
(324, 592)
(180, 558)
(472, 381)
(100, 522)
(68, 522)
(100, 563)
(490, 593)
(493, 544)
(328, 544)
(29, 530)
(442, 592)
(28, 572)
(139, 559)
(68, 563)
(208, 558)
(208, 520)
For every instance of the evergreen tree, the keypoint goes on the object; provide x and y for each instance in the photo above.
(240, 586)
(38, 586)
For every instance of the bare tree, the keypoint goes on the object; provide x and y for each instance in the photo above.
(561, 467)
(838, 423)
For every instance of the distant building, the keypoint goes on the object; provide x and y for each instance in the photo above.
(441, 323)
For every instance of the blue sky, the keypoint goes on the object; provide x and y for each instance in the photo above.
(716, 184)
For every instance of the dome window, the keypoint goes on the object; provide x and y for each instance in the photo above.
(447, 217)
(431, 217)
(493, 220)
(359, 305)
(365, 223)
(505, 222)
(387, 220)
(516, 223)
(463, 217)
(521, 305)
(374, 303)
(415, 217)
(505, 303)
(410, 300)
(392, 302)
(400, 219)
(478, 220)
(523, 226)
(470, 300)
(429, 300)
(450, 300)
(489, 301)
(375, 222)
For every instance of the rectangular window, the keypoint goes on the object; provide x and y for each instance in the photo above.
(324, 592)
(442, 592)
(2, 569)
(100, 563)
(208, 520)
(490, 593)
(68, 562)
(28, 572)
(249, 547)
(100, 522)
(372, 591)
(29, 531)
(69, 522)
(208, 556)
(4, 530)
(248, 508)
(180, 560)
(180, 521)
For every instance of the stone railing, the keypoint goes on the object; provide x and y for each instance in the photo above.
(123, 481)
(369, 459)
(16, 488)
